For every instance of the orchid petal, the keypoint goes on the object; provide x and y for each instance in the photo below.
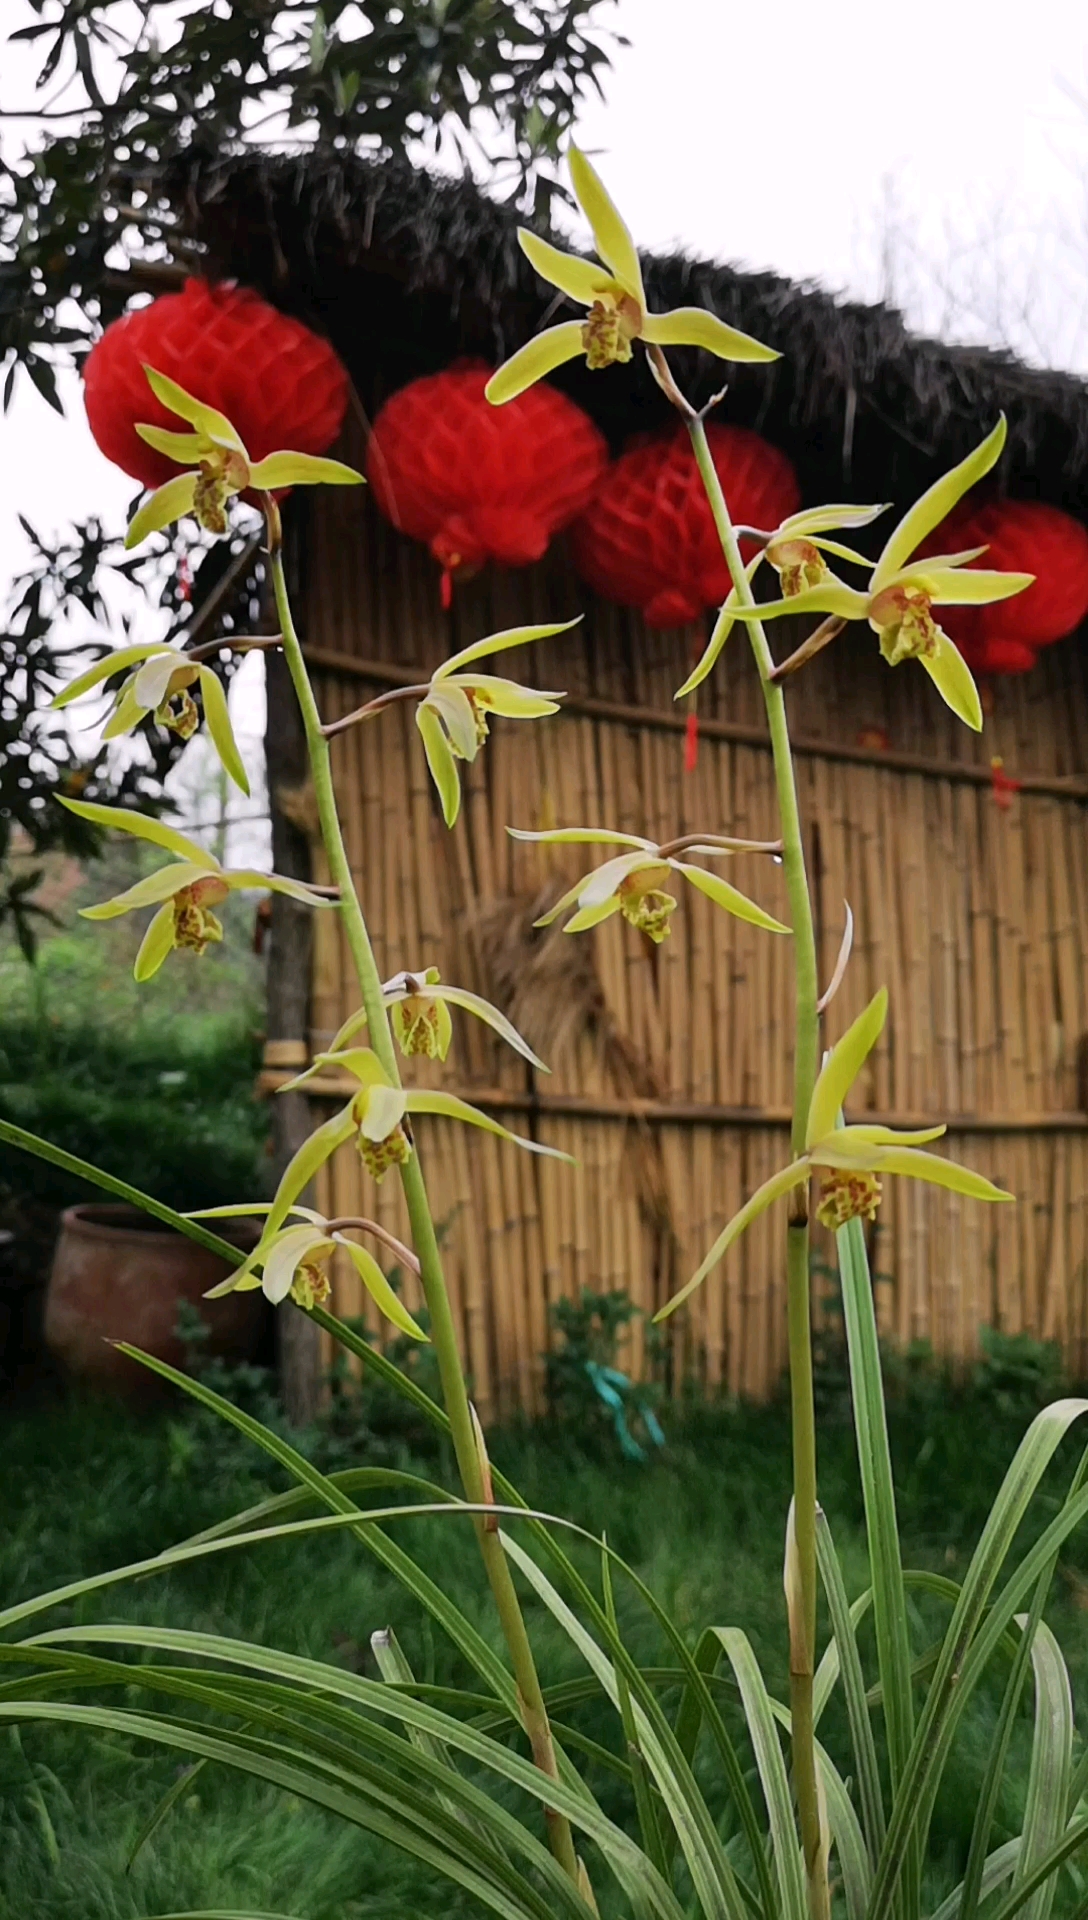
(842, 1066)
(581, 837)
(250, 880)
(150, 683)
(953, 680)
(567, 900)
(142, 827)
(722, 628)
(454, 709)
(773, 1189)
(217, 719)
(499, 643)
(538, 357)
(383, 1110)
(826, 519)
(166, 504)
(935, 505)
(840, 552)
(610, 234)
(696, 327)
(285, 1255)
(913, 1164)
(875, 1136)
(127, 714)
(238, 1209)
(379, 1288)
(588, 917)
(403, 1012)
(506, 697)
(923, 564)
(582, 280)
(602, 883)
(148, 892)
(498, 1022)
(188, 449)
(361, 1062)
(723, 895)
(831, 596)
(103, 670)
(157, 942)
(969, 586)
(449, 1107)
(352, 1025)
(441, 762)
(302, 470)
(206, 420)
(313, 1153)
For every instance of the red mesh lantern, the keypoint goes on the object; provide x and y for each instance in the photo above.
(277, 382)
(1021, 536)
(477, 482)
(648, 540)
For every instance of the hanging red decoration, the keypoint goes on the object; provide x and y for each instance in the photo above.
(278, 383)
(477, 482)
(648, 539)
(1021, 536)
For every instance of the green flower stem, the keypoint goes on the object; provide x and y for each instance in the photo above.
(443, 1331)
(806, 1041)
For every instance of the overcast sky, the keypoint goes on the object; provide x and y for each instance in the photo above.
(935, 150)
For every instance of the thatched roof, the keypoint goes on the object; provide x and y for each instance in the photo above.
(405, 270)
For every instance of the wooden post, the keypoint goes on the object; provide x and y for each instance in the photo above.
(288, 994)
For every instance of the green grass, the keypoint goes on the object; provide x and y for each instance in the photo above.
(87, 1487)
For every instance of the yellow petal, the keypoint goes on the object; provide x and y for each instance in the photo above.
(842, 1066)
(827, 519)
(127, 714)
(591, 916)
(162, 507)
(148, 892)
(103, 670)
(723, 895)
(451, 703)
(451, 1108)
(188, 449)
(840, 552)
(935, 504)
(206, 420)
(312, 1154)
(157, 942)
(695, 327)
(143, 828)
(613, 241)
(352, 1025)
(379, 1288)
(247, 880)
(499, 643)
(831, 596)
(583, 280)
(773, 1189)
(723, 627)
(568, 899)
(286, 1254)
(953, 680)
(602, 883)
(150, 683)
(970, 586)
(384, 1109)
(302, 470)
(442, 764)
(874, 1136)
(473, 1003)
(217, 719)
(506, 697)
(911, 1163)
(538, 357)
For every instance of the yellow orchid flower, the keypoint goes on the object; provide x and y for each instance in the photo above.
(452, 716)
(614, 293)
(795, 550)
(903, 592)
(184, 893)
(159, 683)
(419, 1005)
(222, 466)
(293, 1261)
(376, 1117)
(847, 1159)
(633, 882)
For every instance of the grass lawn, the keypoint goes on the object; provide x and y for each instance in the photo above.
(86, 1487)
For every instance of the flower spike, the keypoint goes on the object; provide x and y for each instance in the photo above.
(221, 466)
(614, 294)
(185, 893)
(846, 1159)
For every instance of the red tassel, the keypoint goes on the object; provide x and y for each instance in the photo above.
(445, 590)
(691, 742)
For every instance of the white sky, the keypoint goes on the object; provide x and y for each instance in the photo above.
(936, 151)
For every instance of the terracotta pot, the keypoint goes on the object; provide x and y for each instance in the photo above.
(118, 1274)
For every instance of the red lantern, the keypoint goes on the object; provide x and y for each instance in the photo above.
(477, 482)
(1021, 536)
(648, 540)
(277, 382)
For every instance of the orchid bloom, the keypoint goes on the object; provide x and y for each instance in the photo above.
(419, 1007)
(452, 716)
(847, 1159)
(159, 683)
(614, 293)
(903, 592)
(633, 882)
(221, 466)
(185, 893)
(795, 550)
(375, 1117)
(293, 1260)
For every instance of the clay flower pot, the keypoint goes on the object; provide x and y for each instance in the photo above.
(119, 1274)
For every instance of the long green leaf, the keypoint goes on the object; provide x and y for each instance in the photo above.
(977, 1857)
(1074, 1838)
(649, 1827)
(997, 1867)
(866, 1766)
(785, 1841)
(1051, 1766)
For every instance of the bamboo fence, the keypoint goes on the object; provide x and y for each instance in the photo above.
(671, 1065)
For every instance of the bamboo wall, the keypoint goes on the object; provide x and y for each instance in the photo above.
(671, 1065)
